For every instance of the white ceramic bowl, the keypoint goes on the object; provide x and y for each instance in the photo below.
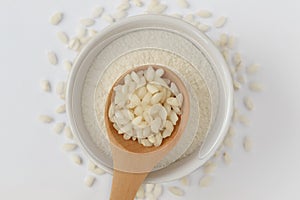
(222, 94)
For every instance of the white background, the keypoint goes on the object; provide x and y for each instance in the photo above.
(32, 165)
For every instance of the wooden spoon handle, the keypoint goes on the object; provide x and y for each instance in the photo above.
(125, 185)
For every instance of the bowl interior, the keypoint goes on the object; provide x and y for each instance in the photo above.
(218, 82)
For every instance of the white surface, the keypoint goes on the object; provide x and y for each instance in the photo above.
(34, 167)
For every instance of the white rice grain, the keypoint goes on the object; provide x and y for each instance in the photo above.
(209, 167)
(138, 3)
(60, 88)
(255, 87)
(203, 27)
(67, 65)
(157, 191)
(243, 119)
(87, 22)
(205, 181)
(140, 193)
(226, 158)
(97, 12)
(45, 85)
(74, 44)
(46, 119)
(124, 6)
(185, 181)
(248, 103)
(68, 133)
(247, 144)
(52, 58)
(63, 37)
(89, 181)
(220, 22)
(252, 69)
(61, 109)
(91, 165)
(176, 191)
(59, 127)
(56, 18)
(76, 159)
(108, 18)
(149, 187)
(69, 146)
(182, 3)
(204, 13)
(98, 171)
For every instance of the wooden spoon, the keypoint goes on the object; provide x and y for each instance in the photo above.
(132, 161)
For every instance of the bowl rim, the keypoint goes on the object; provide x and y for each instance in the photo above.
(210, 49)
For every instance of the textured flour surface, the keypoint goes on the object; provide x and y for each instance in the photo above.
(129, 51)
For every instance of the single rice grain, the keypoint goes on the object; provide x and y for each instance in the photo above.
(248, 103)
(97, 12)
(61, 109)
(185, 181)
(87, 22)
(45, 85)
(204, 13)
(56, 18)
(247, 144)
(226, 158)
(59, 127)
(46, 119)
(68, 133)
(205, 181)
(176, 191)
(255, 87)
(69, 146)
(182, 3)
(76, 159)
(52, 58)
(220, 22)
(63, 37)
(89, 181)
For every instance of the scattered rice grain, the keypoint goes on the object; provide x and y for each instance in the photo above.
(203, 27)
(89, 181)
(252, 69)
(185, 181)
(76, 159)
(52, 58)
(204, 13)
(56, 18)
(87, 22)
(176, 191)
(255, 87)
(59, 127)
(205, 181)
(61, 109)
(247, 144)
(63, 37)
(248, 103)
(68, 133)
(209, 167)
(108, 18)
(157, 191)
(182, 3)
(220, 22)
(244, 120)
(69, 146)
(226, 158)
(97, 12)
(46, 119)
(45, 85)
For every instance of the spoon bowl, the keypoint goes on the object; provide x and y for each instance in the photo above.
(132, 161)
